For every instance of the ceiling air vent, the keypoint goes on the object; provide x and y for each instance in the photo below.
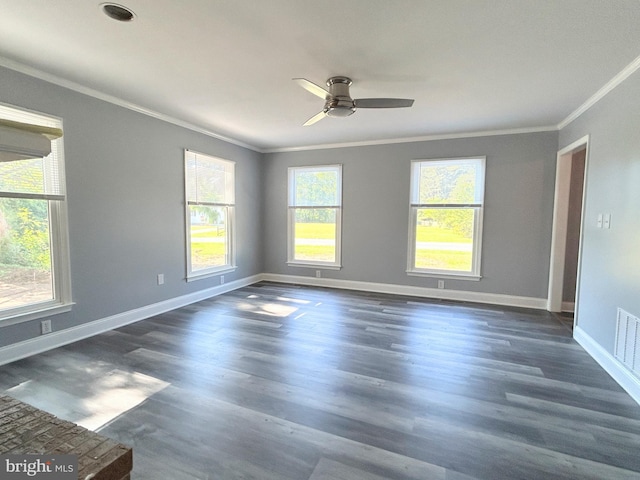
(117, 12)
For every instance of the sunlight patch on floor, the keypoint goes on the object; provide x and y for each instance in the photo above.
(269, 309)
(102, 400)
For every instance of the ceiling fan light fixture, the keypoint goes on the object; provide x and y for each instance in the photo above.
(341, 110)
(338, 101)
(117, 12)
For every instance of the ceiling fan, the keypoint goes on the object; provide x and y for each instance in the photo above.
(338, 102)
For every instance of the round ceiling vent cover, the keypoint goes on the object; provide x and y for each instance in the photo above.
(117, 12)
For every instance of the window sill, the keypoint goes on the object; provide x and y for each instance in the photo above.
(199, 276)
(44, 311)
(317, 266)
(445, 276)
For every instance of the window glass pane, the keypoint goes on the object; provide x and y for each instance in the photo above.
(450, 182)
(208, 236)
(315, 234)
(25, 253)
(444, 239)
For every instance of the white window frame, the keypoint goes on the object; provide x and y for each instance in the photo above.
(477, 207)
(228, 204)
(293, 206)
(58, 227)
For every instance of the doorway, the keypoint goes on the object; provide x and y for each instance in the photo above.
(564, 266)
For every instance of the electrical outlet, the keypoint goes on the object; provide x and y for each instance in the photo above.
(440, 283)
(318, 274)
(221, 279)
(45, 326)
(161, 279)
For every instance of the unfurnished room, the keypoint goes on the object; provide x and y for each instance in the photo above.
(350, 240)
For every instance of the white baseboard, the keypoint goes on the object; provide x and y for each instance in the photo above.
(43, 343)
(620, 374)
(568, 307)
(40, 344)
(443, 294)
(53, 340)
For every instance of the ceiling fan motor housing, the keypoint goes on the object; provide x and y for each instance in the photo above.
(340, 104)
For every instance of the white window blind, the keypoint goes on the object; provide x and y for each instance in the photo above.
(25, 134)
(436, 183)
(210, 181)
(315, 186)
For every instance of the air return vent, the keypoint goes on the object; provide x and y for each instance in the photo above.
(628, 341)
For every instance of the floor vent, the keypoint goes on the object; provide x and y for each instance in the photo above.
(628, 341)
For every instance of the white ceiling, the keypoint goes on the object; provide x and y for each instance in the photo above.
(225, 66)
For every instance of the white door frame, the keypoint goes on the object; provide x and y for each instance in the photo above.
(560, 221)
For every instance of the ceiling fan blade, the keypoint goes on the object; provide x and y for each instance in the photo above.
(316, 118)
(383, 102)
(312, 87)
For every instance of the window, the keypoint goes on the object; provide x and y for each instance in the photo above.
(34, 254)
(446, 217)
(315, 216)
(210, 202)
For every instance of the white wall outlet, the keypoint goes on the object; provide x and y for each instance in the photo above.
(607, 220)
(45, 327)
(161, 279)
(440, 283)
(599, 221)
(221, 279)
(318, 274)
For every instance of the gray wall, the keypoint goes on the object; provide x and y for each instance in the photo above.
(125, 185)
(610, 263)
(518, 210)
(126, 206)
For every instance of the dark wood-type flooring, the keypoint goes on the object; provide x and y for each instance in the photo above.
(277, 381)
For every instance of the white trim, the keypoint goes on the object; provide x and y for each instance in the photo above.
(28, 313)
(36, 73)
(444, 276)
(610, 85)
(191, 170)
(293, 207)
(425, 138)
(76, 87)
(564, 163)
(58, 226)
(620, 374)
(57, 339)
(199, 276)
(480, 164)
(317, 266)
(394, 289)
(568, 306)
(44, 343)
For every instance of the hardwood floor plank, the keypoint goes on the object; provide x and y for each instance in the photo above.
(499, 457)
(275, 381)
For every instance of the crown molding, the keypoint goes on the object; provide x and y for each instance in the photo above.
(76, 87)
(426, 138)
(625, 73)
(56, 80)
